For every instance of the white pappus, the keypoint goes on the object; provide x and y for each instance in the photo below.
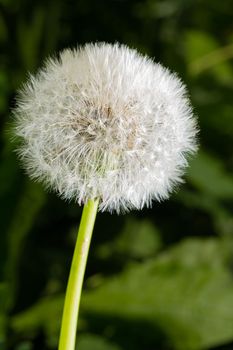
(104, 121)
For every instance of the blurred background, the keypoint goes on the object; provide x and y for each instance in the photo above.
(158, 279)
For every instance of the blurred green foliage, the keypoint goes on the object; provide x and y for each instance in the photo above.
(156, 279)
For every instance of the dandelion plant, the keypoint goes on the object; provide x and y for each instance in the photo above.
(108, 128)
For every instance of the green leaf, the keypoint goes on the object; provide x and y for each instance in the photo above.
(187, 292)
(23, 220)
(203, 52)
(198, 44)
(90, 342)
(221, 217)
(25, 345)
(208, 175)
(45, 315)
(139, 239)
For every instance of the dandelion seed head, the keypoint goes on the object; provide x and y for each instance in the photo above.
(104, 121)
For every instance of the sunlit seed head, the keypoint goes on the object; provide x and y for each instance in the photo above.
(104, 121)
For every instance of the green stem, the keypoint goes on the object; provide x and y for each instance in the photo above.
(74, 288)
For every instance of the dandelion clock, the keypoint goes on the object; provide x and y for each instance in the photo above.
(108, 128)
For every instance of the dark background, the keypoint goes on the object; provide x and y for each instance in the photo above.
(159, 279)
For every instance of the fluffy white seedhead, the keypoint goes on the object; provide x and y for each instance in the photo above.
(104, 121)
